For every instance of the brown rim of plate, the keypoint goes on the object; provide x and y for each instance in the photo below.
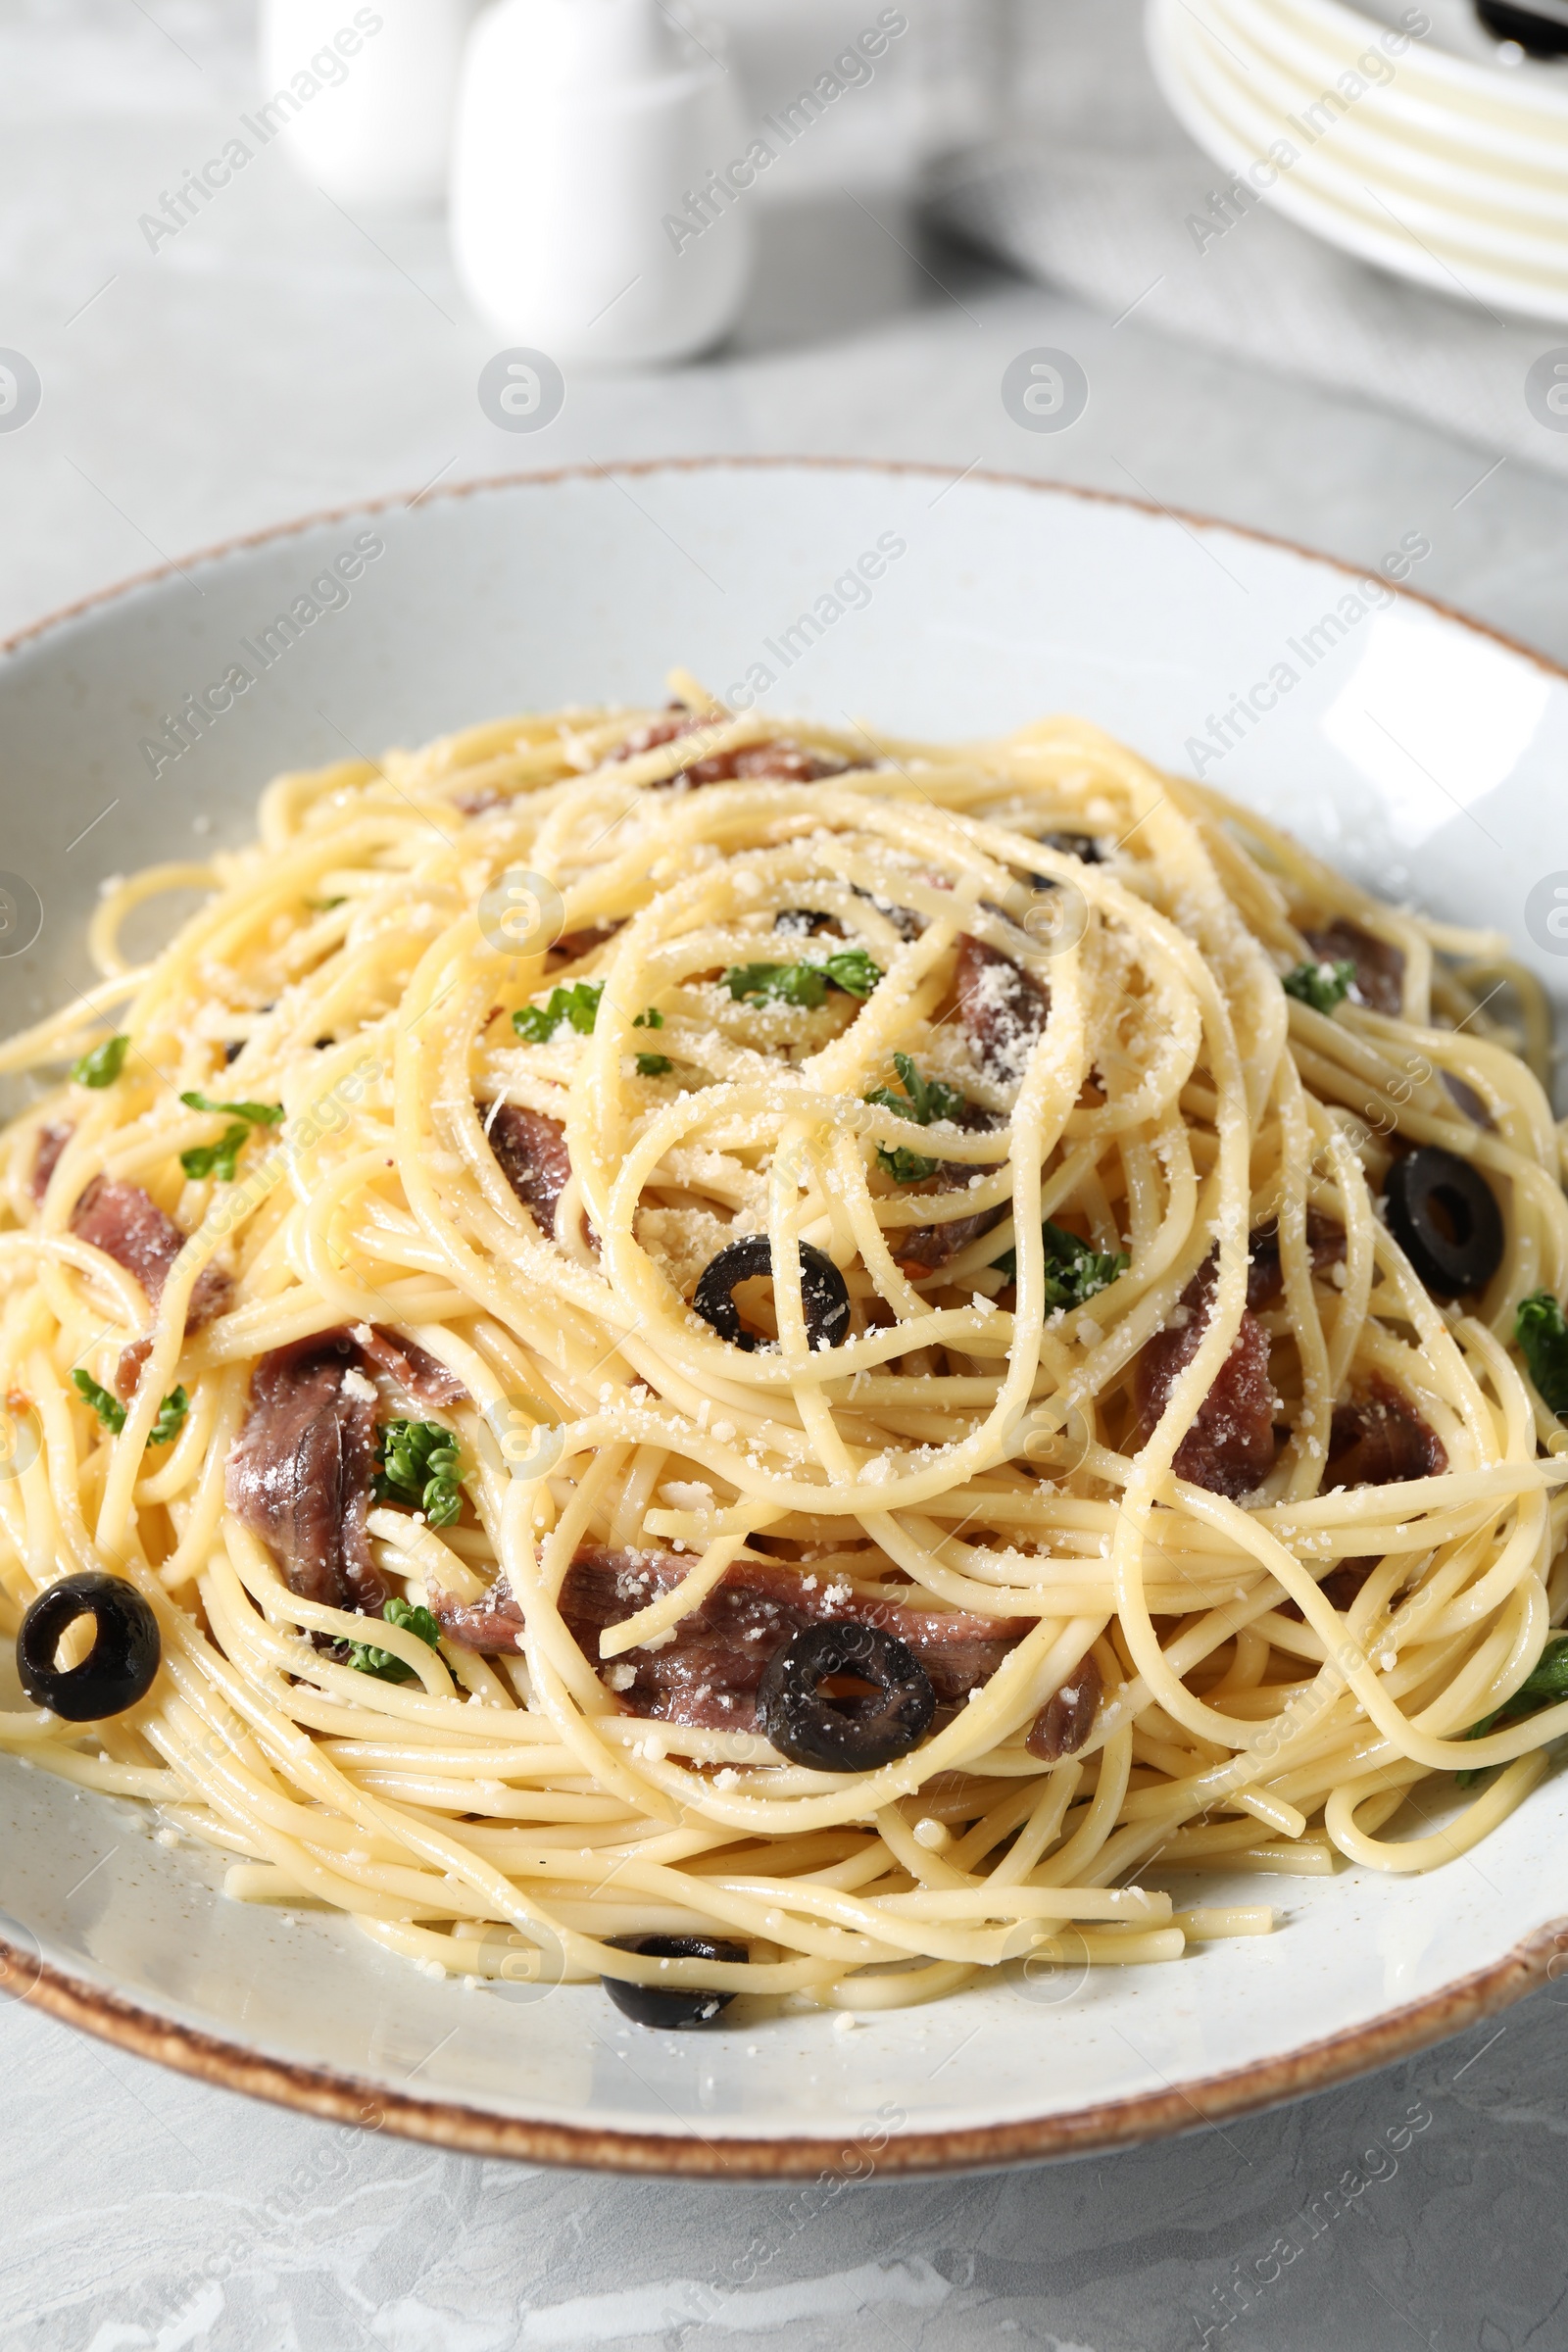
(1540, 1958)
(1183, 517)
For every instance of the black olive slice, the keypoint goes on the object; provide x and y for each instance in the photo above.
(680, 2006)
(1445, 1216)
(1085, 846)
(824, 1294)
(1537, 34)
(854, 1734)
(905, 922)
(803, 922)
(120, 1668)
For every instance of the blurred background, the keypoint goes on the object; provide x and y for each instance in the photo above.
(1297, 263)
(1337, 351)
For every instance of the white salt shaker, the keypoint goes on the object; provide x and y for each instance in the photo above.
(367, 94)
(600, 181)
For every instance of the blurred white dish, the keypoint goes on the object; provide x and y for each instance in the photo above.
(376, 130)
(1397, 126)
(1452, 55)
(1397, 171)
(1416, 751)
(1518, 224)
(600, 178)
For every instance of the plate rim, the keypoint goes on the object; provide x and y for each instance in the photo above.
(1091, 494)
(1106, 2126)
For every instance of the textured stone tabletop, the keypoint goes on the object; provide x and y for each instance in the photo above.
(278, 357)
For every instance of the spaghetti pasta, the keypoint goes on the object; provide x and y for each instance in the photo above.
(701, 1331)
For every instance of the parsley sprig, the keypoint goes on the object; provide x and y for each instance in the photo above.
(922, 1100)
(904, 1165)
(1545, 1686)
(103, 1065)
(112, 1414)
(255, 1114)
(651, 1065)
(577, 1008)
(365, 1659)
(577, 1005)
(1323, 986)
(216, 1159)
(417, 1465)
(1542, 1335)
(1074, 1272)
(804, 984)
(108, 1409)
(171, 1419)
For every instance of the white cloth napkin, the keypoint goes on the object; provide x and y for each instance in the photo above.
(1093, 194)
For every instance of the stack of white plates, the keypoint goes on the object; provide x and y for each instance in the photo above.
(1443, 156)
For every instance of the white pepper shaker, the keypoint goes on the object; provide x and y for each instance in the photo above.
(366, 93)
(599, 188)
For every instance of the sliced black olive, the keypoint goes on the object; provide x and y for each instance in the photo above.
(905, 922)
(855, 1733)
(824, 1294)
(1537, 35)
(1469, 1101)
(120, 1668)
(1085, 846)
(803, 922)
(233, 1050)
(1445, 1216)
(680, 2006)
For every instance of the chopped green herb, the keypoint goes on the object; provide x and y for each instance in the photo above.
(577, 1005)
(653, 1065)
(653, 1018)
(171, 1419)
(854, 971)
(325, 905)
(216, 1159)
(1545, 1686)
(112, 1414)
(417, 1465)
(1320, 985)
(903, 1167)
(805, 984)
(922, 1099)
(1074, 1272)
(108, 1409)
(258, 1114)
(1542, 1335)
(103, 1065)
(409, 1618)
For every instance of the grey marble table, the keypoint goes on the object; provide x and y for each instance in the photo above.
(278, 357)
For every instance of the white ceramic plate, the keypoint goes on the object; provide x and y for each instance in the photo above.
(1359, 192)
(1456, 59)
(1395, 135)
(1422, 185)
(1417, 751)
